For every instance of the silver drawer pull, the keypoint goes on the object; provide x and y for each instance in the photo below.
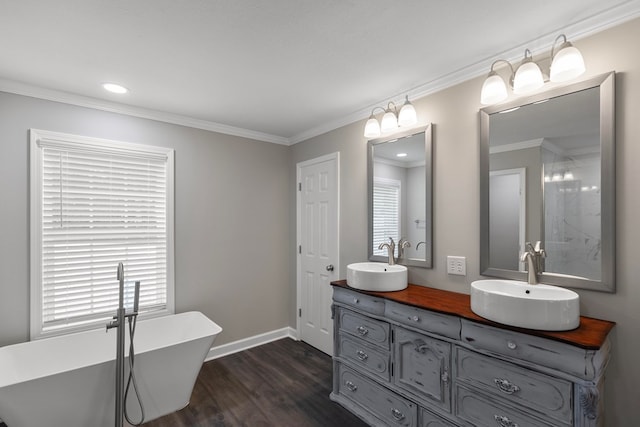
(362, 330)
(399, 416)
(506, 386)
(362, 355)
(445, 377)
(420, 346)
(511, 345)
(414, 318)
(503, 421)
(351, 386)
(356, 300)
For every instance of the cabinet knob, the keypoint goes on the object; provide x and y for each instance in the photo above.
(329, 267)
(356, 300)
(415, 318)
(362, 355)
(445, 377)
(399, 416)
(503, 421)
(511, 345)
(351, 386)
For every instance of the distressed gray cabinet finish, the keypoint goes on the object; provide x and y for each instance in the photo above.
(397, 364)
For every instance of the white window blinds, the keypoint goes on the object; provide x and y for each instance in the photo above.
(386, 212)
(98, 203)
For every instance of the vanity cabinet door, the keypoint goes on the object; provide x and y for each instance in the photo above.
(422, 367)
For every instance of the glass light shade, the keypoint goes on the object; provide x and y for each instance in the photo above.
(528, 78)
(389, 122)
(493, 89)
(372, 128)
(567, 64)
(407, 115)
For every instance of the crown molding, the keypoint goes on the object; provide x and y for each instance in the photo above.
(20, 88)
(576, 31)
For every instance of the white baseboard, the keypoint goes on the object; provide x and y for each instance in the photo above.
(250, 342)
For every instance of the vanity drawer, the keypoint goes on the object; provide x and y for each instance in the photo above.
(358, 353)
(392, 409)
(362, 302)
(427, 419)
(429, 321)
(370, 330)
(549, 396)
(530, 349)
(481, 411)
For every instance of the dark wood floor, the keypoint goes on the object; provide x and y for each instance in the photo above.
(283, 383)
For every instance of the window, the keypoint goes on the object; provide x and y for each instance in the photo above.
(386, 212)
(95, 203)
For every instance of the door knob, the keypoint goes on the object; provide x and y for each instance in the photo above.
(329, 267)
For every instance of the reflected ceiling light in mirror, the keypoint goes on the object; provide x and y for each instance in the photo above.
(528, 75)
(566, 64)
(391, 119)
(401, 155)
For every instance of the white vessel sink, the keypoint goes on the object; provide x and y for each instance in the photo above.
(542, 307)
(377, 276)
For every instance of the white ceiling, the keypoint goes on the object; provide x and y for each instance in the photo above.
(279, 70)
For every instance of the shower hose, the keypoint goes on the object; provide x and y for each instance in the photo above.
(132, 376)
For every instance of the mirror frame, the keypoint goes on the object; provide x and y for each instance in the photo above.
(606, 84)
(428, 138)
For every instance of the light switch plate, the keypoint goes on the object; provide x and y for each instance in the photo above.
(457, 265)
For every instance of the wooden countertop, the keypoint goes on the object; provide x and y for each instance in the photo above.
(590, 335)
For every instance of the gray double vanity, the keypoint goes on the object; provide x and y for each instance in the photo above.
(419, 356)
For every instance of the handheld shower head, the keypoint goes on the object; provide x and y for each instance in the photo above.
(120, 275)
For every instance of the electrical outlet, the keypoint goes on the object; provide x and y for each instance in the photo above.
(457, 265)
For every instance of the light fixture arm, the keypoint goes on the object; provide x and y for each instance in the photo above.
(562, 45)
(395, 108)
(511, 76)
(374, 109)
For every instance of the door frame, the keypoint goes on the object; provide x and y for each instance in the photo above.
(335, 157)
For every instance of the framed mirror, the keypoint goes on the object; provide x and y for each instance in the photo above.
(399, 184)
(547, 173)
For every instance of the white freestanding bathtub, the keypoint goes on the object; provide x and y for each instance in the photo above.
(69, 381)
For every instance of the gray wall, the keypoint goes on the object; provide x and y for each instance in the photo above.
(454, 112)
(232, 207)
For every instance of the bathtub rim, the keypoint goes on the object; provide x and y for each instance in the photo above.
(210, 327)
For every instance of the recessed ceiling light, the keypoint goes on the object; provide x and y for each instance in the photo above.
(115, 88)
(401, 155)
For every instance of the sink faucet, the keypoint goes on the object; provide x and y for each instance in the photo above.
(402, 244)
(533, 257)
(391, 248)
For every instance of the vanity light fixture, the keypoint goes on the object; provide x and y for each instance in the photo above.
(401, 155)
(391, 119)
(528, 75)
(566, 64)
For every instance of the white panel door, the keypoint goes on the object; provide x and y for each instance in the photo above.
(317, 249)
